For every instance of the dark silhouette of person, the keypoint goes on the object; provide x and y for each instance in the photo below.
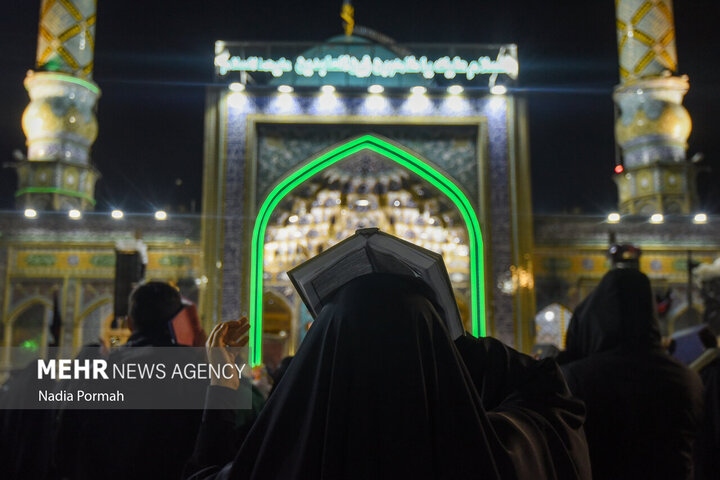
(643, 406)
(26, 435)
(707, 447)
(279, 373)
(378, 390)
(136, 443)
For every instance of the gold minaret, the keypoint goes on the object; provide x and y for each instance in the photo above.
(652, 127)
(60, 123)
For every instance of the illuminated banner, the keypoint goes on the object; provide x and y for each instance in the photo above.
(356, 61)
(367, 66)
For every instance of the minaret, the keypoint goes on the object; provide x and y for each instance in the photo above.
(652, 126)
(59, 122)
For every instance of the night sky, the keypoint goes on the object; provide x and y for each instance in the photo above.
(154, 58)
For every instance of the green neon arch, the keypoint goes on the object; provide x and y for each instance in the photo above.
(399, 156)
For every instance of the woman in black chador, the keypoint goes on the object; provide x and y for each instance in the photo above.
(643, 407)
(378, 390)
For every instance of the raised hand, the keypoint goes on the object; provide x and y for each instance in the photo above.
(223, 347)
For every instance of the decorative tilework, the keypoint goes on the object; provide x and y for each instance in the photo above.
(646, 37)
(66, 41)
(282, 146)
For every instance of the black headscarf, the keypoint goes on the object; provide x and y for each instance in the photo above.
(643, 407)
(619, 313)
(379, 391)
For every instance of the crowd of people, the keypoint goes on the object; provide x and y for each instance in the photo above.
(379, 390)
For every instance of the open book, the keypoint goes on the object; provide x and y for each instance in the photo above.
(373, 251)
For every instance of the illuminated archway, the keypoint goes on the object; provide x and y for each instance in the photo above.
(29, 338)
(83, 324)
(399, 156)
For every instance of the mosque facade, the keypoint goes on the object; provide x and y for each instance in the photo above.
(304, 143)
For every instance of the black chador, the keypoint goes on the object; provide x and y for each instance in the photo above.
(643, 407)
(378, 390)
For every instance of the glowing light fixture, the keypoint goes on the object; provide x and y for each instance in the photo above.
(237, 99)
(613, 217)
(402, 158)
(619, 168)
(327, 89)
(376, 103)
(418, 90)
(293, 218)
(75, 214)
(418, 102)
(117, 214)
(30, 213)
(657, 218)
(455, 89)
(327, 100)
(498, 90)
(237, 87)
(376, 89)
(700, 218)
(549, 316)
(161, 215)
(286, 102)
(285, 89)
(362, 203)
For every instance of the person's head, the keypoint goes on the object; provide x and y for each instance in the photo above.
(152, 305)
(620, 312)
(624, 256)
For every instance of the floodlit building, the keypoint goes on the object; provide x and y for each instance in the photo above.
(305, 143)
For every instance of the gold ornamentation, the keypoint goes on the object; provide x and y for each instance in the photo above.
(646, 38)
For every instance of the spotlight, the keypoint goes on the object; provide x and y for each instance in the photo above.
(418, 102)
(376, 103)
(30, 213)
(75, 214)
(418, 90)
(285, 89)
(498, 90)
(657, 218)
(376, 89)
(117, 214)
(700, 218)
(237, 99)
(327, 100)
(237, 87)
(613, 217)
(160, 215)
(455, 89)
(549, 316)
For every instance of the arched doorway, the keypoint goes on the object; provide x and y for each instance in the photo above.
(401, 157)
(277, 324)
(29, 332)
(90, 327)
